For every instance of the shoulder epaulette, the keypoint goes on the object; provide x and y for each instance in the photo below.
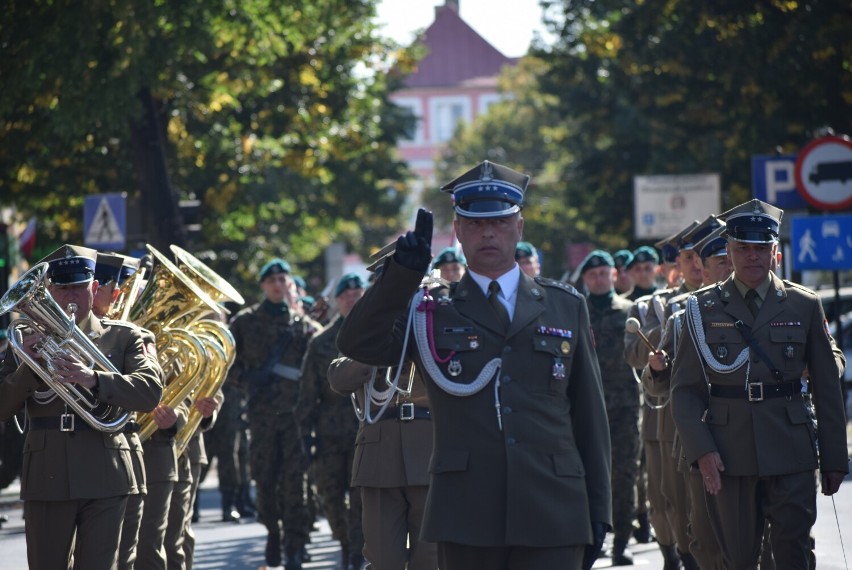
(680, 298)
(799, 286)
(112, 323)
(706, 288)
(544, 281)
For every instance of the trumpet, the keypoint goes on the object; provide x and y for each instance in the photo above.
(61, 336)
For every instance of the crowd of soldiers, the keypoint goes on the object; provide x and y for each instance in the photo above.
(462, 411)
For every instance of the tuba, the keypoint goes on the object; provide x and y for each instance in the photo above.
(61, 336)
(205, 278)
(221, 348)
(170, 299)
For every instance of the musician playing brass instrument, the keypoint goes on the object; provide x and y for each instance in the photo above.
(76, 478)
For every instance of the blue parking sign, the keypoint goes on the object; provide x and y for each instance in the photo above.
(773, 181)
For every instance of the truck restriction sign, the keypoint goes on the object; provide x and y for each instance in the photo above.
(824, 173)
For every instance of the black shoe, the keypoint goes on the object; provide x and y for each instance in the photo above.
(230, 515)
(642, 532)
(621, 556)
(273, 549)
(293, 558)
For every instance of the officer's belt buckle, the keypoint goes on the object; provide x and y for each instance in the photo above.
(406, 412)
(755, 391)
(66, 422)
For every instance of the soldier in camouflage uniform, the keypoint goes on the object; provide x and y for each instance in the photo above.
(328, 426)
(271, 340)
(607, 314)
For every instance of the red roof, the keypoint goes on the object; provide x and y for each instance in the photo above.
(455, 53)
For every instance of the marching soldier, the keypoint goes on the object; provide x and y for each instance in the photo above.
(607, 314)
(76, 479)
(392, 453)
(642, 268)
(270, 342)
(703, 546)
(623, 280)
(511, 371)
(450, 263)
(327, 426)
(746, 421)
(527, 257)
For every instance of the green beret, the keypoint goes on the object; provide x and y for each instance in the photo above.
(622, 257)
(274, 266)
(348, 281)
(448, 255)
(642, 254)
(524, 249)
(597, 258)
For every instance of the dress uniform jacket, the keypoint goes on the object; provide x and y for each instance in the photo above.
(545, 475)
(775, 436)
(90, 464)
(388, 453)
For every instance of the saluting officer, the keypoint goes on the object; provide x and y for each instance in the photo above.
(76, 479)
(521, 465)
(745, 420)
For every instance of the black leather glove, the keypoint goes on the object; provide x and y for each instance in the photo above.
(594, 550)
(414, 249)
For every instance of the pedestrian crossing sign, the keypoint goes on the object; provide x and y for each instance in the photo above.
(105, 221)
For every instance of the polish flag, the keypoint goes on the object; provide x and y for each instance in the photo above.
(27, 238)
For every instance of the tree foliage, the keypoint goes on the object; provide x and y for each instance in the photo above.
(676, 87)
(275, 115)
(659, 87)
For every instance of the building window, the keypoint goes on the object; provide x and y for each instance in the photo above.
(415, 106)
(485, 101)
(446, 112)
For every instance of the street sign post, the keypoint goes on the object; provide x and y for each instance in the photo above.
(773, 180)
(665, 204)
(824, 173)
(822, 242)
(105, 221)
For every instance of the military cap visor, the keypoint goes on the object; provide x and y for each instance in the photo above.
(753, 222)
(71, 265)
(488, 190)
(108, 267)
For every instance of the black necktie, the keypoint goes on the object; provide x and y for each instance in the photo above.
(502, 313)
(751, 302)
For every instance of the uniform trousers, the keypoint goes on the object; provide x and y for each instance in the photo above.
(332, 469)
(50, 531)
(673, 488)
(392, 518)
(657, 512)
(453, 556)
(179, 509)
(150, 553)
(738, 512)
(703, 544)
(130, 531)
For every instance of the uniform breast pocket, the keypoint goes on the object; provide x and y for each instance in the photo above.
(725, 344)
(555, 354)
(790, 344)
(455, 347)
